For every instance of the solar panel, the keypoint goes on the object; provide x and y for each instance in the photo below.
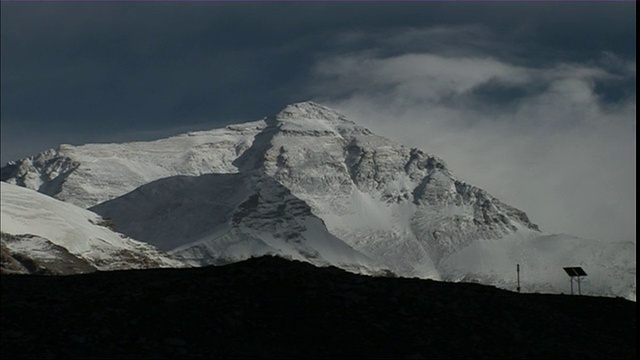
(579, 271)
(575, 271)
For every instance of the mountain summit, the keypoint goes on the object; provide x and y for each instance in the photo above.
(309, 110)
(309, 184)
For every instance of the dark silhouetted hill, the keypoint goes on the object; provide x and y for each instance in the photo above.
(270, 307)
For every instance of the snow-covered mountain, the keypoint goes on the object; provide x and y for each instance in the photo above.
(44, 235)
(310, 184)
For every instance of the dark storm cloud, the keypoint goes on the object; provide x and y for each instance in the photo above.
(106, 66)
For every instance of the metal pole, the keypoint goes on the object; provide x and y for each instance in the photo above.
(571, 280)
(579, 292)
(518, 270)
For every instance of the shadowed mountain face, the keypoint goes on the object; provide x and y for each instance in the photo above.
(178, 209)
(224, 219)
(270, 307)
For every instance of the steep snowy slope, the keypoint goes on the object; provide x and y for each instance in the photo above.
(45, 229)
(304, 183)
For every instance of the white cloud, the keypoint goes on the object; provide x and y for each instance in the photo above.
(547, 142)
(415, 76)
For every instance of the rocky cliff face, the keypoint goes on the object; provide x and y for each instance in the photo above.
(30, 254)
(343, 171)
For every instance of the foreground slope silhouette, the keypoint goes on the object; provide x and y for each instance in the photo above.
(272, 307)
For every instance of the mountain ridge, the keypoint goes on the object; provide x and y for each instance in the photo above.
(310, 177)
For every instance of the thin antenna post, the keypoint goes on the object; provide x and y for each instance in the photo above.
(518, 271)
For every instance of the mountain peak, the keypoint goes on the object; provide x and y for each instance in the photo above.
(309, 110)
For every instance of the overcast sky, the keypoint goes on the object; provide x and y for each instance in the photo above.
(535, 102)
